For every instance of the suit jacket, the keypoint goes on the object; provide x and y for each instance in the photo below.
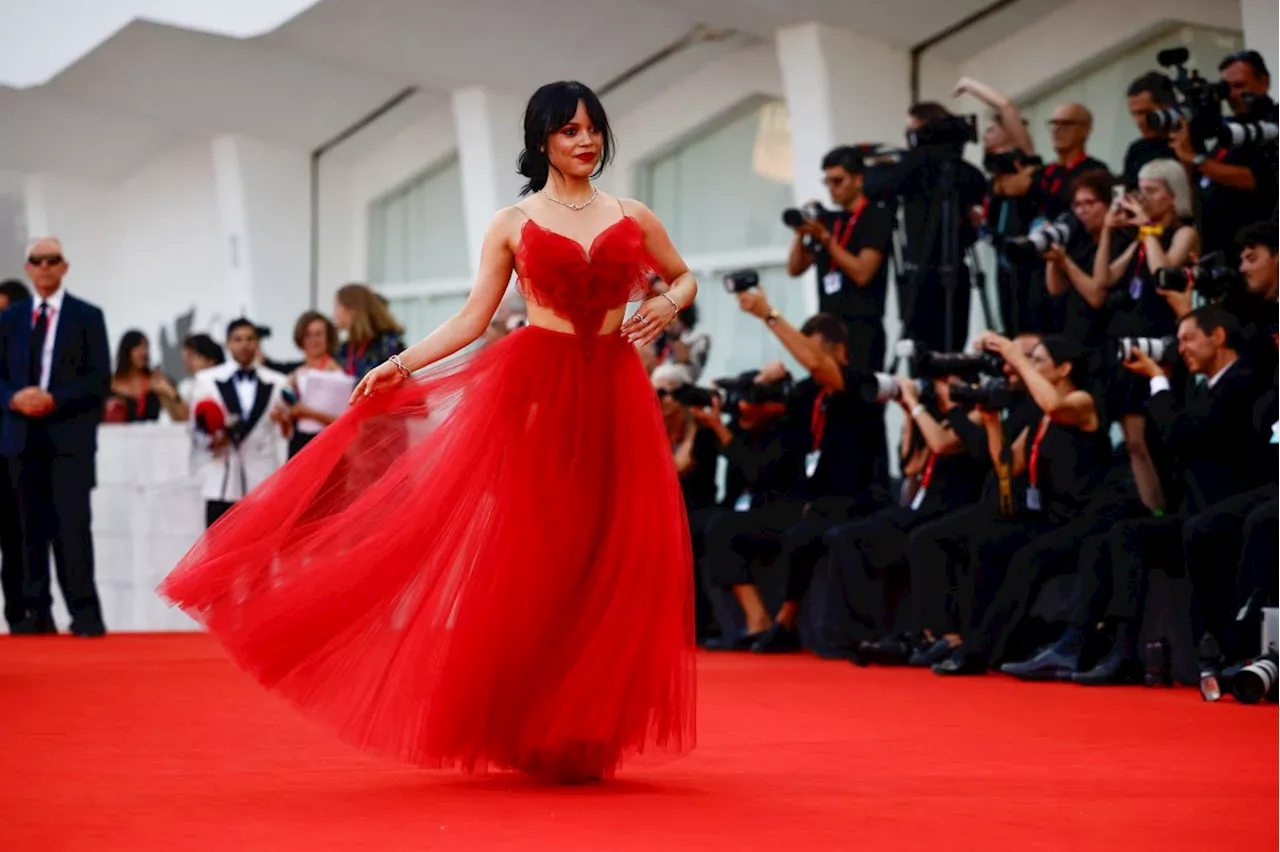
(79, 377)
(1213, 438)
(236, 470)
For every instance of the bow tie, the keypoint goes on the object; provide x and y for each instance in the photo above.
(245, 376)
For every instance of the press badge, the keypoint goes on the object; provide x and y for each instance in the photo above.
(743, 503)
(1033, 499)
(918, 500)
(832, 282)
(1135, 288)
(811, 463)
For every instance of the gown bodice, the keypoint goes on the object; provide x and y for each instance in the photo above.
(583, 285)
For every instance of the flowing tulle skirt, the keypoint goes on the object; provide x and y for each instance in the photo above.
(486, 568)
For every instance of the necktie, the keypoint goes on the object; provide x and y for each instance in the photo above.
(38, 334)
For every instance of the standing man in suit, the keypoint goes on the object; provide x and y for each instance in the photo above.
(55, 372)
(11, 556)
(230, 413)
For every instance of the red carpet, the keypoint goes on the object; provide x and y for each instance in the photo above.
(155, 743)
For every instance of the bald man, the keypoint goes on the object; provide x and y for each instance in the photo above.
(55, 373)
(1069, 128)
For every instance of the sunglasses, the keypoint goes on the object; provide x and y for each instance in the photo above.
(44, 259)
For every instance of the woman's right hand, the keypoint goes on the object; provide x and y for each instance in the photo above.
(383, 377)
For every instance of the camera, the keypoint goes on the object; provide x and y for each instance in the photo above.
(954, 131)
(1235, 133)
(1010, 162)
(744, 388)
(794, 217)
(1049, 234)
(741, 281)
(970, 366)
(1201, 101)
(989, 394)
(1162, 350)
(692, 396)
(1211, 277)
(1250, 681)
(882, 387)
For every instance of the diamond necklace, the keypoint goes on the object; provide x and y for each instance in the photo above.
(550, 197)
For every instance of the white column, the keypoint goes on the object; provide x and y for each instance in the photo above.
(489, 127)
(264, 207)
(1261, 20)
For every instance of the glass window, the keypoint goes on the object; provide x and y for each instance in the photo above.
(422, 314)
(416, 232)
(724, 187)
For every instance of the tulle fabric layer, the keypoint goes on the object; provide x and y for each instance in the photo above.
(487, 568)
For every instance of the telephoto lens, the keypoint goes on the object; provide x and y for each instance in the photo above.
(1162, 350)
(1256, 680)
(881, 387)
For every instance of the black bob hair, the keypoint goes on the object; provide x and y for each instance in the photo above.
(551, 108)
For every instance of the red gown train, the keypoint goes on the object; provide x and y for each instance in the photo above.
(487, 567)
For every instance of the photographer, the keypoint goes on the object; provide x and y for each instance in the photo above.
(867, 558)
(1050, 187)
(1069, 268)
(845, 476)
(1256, 306)
(937, 145)
(848, 247)
(1237, 184)
(1138, 307)
(1150, 92)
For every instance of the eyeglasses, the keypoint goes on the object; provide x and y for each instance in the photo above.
(1063, 122)
(44, 259)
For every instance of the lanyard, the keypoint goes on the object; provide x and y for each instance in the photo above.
(853, 220)
(927, 476)
(1035, 450)
(1052, 170)
(354, 355)
(818, 421)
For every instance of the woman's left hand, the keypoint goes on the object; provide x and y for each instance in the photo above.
(648, 322)
(1179, 301)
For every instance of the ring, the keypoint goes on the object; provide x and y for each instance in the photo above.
(642, 317)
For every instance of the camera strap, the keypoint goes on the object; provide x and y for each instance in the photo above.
(854, 214)
(925, 478)
(818, 420)
(1051, 174)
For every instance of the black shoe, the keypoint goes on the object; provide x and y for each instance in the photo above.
(88, 628)
(777, 640)
(1050, 664)
(960, 663)
(35, 624)
(742, 642)
(1112, 670)
(931, 654)
(889, 651)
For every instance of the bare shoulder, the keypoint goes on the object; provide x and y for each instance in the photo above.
(505, 225)
(637, 210)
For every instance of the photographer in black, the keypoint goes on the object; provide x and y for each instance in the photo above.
(848, 249)
(1064, 457)
(1050, 187)
(1237, 184)
(846, 475)
(1150, 92)
(1068, 266)
(1227, 532)
(937, 139)
(867, 559)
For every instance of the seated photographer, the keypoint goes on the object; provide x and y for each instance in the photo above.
(848, 248)
(1069, 267)
(1138, 307)
(1237, 184)
(845, 476)
(867, 556)
(1256, 306)
(937, 551)
(1064, 458)
(1150, 92)
(1216, 455)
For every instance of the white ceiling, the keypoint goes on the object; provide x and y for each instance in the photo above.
(150, 84)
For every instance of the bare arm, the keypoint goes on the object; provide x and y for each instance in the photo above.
(1106, 272)
(1074, 408)
(799, 258)
(820, 365)
(1185, 244)
(861, 267)
(1010, 115)
(682, 287)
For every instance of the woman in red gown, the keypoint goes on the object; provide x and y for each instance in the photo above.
(485, 565)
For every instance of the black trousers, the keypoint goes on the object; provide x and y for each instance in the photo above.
(699, 521)
(867, 570)
(215, 509)
(12, 558)
(53, 498)
(938, 562)
(866, 343)
(1212, 545)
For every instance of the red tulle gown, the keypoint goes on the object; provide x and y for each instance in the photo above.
(487, 567)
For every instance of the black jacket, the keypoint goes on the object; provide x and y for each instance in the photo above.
(79, 379)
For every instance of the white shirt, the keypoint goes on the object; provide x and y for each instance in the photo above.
(247, 392)
(1161, 383)
(55, 311)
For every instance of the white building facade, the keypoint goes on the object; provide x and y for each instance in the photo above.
(203, 161)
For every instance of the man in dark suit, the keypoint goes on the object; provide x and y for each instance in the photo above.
(12, 291)
(55, 372)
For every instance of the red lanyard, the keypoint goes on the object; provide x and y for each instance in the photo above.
(1053, 170)
(853, 220)
(142, 398)
(818, 422)
(927, 476)
(354, 354)
(1035, 450)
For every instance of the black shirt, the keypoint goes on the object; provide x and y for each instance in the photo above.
(951, 481)
(869, 227)
(849, 434)
(767, 464)
(1073, 316)
(1068, 467)
(1135, 308)
(1142, 151)
(699, 484)
(1052, 189)
(1223, 211)
(917, 190)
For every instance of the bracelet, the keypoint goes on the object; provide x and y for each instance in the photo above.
(404, 371)
(1145, 231)
(917, 410)
(671, 300)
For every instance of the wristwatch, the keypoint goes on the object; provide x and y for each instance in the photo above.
(1198, 160)
(772, 319)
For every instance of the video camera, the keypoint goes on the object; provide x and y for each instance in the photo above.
(1010, 162)
(926, 364)
(1200, 102)
(1211, 277)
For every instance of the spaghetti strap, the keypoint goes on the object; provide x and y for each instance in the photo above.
(620, 207)
(520, 210)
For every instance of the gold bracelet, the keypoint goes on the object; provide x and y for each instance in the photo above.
(1145, 231)
(399, 365)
